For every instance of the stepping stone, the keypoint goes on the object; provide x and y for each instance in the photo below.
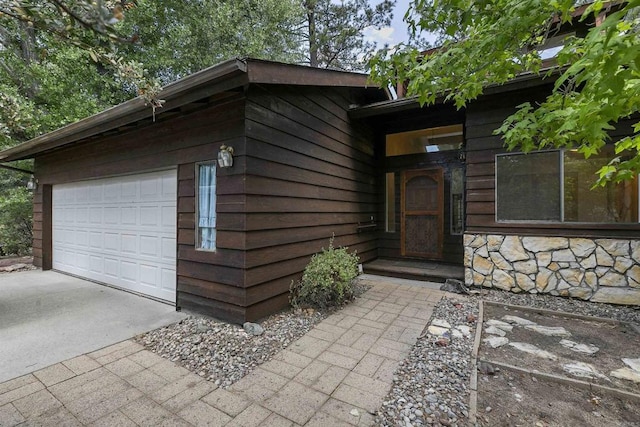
(517, 320)
(532, 349)
(500, 325)
(550, 331)
(583, 370)
(633, 364)
(495, 342)
(579, 348)
(492, 330)
(626, 374)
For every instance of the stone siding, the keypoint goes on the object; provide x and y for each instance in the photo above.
(600, 270)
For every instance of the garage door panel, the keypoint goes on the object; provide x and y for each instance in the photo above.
(120, 231)
(82, 216)
(128, 216)
(168, 279)
(150, 275)
(111, 242)
(129, 271)
(129, 244)
(129, 191)
(111, 268)
(95, 264)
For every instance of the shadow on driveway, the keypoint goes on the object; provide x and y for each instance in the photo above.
(47, 317)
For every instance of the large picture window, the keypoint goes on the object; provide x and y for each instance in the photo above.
(206, 206)
(557, 186)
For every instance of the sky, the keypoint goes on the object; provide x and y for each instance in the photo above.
(397, 32)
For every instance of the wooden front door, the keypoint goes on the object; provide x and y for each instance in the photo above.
(422, 196)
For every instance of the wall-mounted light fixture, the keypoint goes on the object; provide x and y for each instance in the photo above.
(225, 157)
(32, 184)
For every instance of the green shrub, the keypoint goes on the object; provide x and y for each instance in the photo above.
(16, 219)
(327, 280)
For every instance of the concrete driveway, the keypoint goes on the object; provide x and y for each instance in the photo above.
(48, 317)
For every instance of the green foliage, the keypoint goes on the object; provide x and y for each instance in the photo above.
(492, 41)
(180, 37)
(327, 280)
(90, 26)
(16, 215)
(48, 77)
(335, 33)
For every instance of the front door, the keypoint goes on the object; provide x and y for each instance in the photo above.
(422, 196)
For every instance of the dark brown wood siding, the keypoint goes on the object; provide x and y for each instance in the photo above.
(482, 118)
(210, 282)
(310, 175)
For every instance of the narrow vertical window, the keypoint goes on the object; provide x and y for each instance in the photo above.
(390, 202)
(206, 206)
(457, 201)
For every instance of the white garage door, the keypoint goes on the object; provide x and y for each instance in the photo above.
(120, 231)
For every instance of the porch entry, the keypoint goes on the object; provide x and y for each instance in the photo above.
(422, 213)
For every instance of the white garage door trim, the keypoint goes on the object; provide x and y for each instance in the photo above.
(120, 231)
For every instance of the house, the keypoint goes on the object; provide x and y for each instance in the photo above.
(145, 206)
(526, 222)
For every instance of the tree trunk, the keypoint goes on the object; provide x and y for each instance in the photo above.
(310, 6)
(27, 47)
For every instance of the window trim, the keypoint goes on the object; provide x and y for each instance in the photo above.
(197, 242)
(562, 221)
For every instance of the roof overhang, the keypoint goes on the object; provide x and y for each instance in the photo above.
(228, 75)
(523, 81)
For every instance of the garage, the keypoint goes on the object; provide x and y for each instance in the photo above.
(120, 231)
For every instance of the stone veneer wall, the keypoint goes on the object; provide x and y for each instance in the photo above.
(600, 270)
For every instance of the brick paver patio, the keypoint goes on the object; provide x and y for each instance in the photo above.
(335, 375)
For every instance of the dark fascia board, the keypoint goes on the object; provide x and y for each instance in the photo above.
(411, 103)
(227, 75)
(269, 72)
(122, 114)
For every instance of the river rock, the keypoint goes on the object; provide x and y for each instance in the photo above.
(441, 323)
(465, 330)
(253, 329)
(437, 330)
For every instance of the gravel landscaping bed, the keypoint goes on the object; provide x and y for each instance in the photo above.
(431, 386)
(569, 305)
(223, 352)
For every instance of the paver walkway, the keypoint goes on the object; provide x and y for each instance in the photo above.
(337, 374)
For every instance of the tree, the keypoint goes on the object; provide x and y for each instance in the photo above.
(87, 25)
(16, 220)
(334, 31)
(180, 37)
(493, 41)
